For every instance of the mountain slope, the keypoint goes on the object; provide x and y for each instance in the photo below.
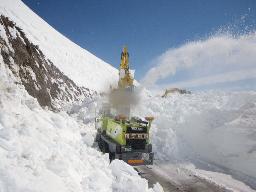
(78, 64)
(37, 74)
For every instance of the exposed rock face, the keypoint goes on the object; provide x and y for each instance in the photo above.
(175, 90)
(39, 76)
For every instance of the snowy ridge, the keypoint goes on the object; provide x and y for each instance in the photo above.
(78, 64)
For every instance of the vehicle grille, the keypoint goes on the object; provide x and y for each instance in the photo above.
(136, 144)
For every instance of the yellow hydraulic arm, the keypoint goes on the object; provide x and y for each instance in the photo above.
(125, 77)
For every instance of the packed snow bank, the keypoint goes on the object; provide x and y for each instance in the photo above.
(45, 151)
(127, 179)
(217, 127)
(219, 179)
(78, 64)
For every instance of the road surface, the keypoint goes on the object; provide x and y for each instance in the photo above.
(177, 180)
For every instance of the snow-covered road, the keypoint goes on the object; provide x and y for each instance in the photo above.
(185, 178)
(189, 182)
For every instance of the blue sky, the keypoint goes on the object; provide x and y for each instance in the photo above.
(148, 27)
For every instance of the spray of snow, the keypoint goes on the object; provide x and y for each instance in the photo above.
(218, 59)
(216, 127)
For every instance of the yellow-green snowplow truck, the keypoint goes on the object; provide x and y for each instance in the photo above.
(119, 135)
(125, 139)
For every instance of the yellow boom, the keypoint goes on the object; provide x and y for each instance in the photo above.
(125, 77)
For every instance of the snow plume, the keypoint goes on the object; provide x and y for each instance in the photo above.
(218, 59)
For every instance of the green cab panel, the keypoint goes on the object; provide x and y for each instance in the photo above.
(115, 130)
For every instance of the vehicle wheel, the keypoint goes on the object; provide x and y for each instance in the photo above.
(105, 147)
(97, 138)
(111, 156)
(100, 144)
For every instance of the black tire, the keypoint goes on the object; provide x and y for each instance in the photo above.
(100, 143)
(111, 156)
(97, 138)
(105, 148)
(118, 149)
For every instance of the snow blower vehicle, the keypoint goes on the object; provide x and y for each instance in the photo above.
(123, 136)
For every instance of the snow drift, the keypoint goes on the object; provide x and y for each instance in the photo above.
(216, 127)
